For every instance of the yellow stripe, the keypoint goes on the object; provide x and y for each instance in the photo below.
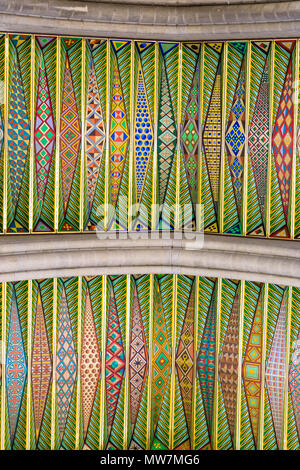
(57, 137)
(107, 127)
(239, 379)
(29, 351)
(103, 353)
(172, 392)
(199, 210)
(3, 358)
(127, 356)
(246, 158)
(286, 378)
(295, 120)
(195, 350)
(216, 386)
(260, 444)
(150, 369)
(271, 88)
(222, 169)
(5, 152)
(154, 176)
(54, 354)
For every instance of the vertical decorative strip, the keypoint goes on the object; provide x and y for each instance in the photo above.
(83, 119)
(150, 370)
(31, 152)
(263, 371)
(107, 146)
(57, 141)
(78, 381)
(178, 214)
(131, 134)
(295, 121)
(215, 433)
(271, 87)
(2, 365)
(287, 358)
(54, 355)
(103, 352)
(223, 155)
(246, 153)
(199, 209)
(127, 355)
(173, 359)
(29, 350)
(195, 350)
(239, 377)
(5, 152)
(154, 214)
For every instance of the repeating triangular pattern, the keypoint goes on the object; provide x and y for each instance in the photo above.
(16, 367)
(66, 369)
(44, 134)
(41, 366)
(119, 135)
(94, 136)
(138, 362)
(275, 372)
(70, 134)
(18, 133)
(166, 143)
(90, 363)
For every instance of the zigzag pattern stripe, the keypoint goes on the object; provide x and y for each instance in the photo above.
(269, 437)
(224, 441)
(246, 436)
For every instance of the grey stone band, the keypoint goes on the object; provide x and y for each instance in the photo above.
(171, 20)
(44, 256)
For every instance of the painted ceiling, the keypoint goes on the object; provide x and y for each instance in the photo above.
(92, 127)
(149, 362)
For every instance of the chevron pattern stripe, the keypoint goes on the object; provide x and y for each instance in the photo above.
(205, 393)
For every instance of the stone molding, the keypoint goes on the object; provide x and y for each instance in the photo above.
(44, 256)
(171, 20)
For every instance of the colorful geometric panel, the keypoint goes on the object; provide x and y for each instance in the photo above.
(138, 361)
(90, 364)
(294, 379)
(252, 369)
(161, 356)
(190, 137)
(258, 140)
(185, 359)
(95, 134)
(119, 135)
(16, 367)
(41, 366)
(114, 361)
(44, 134)
(66, 369)
(167, 135)
(70, 134)
(282, 139)
(212, 138)
(143, 135)
(18, 132)
(228, 364)
(235, 137)
(167, 394)
(206, 362)
(275, 371)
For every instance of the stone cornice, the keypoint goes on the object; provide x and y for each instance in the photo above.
(44, 256)
(141, 21)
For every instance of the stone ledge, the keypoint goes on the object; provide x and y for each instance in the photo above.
(44, 256)
(139, 21)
